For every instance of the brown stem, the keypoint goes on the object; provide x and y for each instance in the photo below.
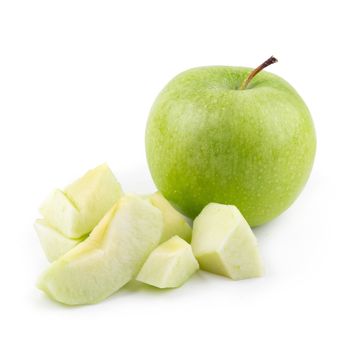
(253, 73)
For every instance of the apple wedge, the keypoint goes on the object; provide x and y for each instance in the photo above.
(110, 257)
(223, 243)
(170, 265)
(54, 243)
(77, 210)
(175, 223)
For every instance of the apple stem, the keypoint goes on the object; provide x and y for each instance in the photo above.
(253, 73)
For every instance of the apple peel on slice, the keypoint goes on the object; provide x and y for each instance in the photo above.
(53, 243)
(175, 223)
(110, 257)
(170, 265)
(223, 243)
(77, 210)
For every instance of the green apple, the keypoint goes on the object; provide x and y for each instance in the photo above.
(233, 136)
(110, 257)
(175, 223)
(77, 210)
(54, 243)
(170, 265)
(223, 243)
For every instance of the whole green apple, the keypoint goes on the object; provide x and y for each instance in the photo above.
(230, 135)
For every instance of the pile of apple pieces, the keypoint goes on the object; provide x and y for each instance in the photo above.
(99, 239)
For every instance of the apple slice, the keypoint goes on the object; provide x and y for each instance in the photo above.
(223, 243)
(77, 210)
(109, 258)
(170, 265)
(54, 243)
(175, 223)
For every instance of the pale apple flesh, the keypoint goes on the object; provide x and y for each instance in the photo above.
(77, 210)
(175, 223)
(223, 243)
(54, 243)
(109, 258)
(170, 265)
(61, 213)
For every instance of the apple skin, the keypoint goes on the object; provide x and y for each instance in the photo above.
(208, 141)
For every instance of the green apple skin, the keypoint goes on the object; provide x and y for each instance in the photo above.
(109, 258)
(208, 141)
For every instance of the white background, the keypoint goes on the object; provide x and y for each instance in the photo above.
(77, 79)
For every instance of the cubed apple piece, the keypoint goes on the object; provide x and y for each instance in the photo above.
(223, 243)
(110, 257)
(54, 243)
(77, 210)
(175, 223)
(170, 265)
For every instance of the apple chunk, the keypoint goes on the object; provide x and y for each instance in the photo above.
(77, 210)
(170, 265)
(224, 243)
(109, 258)
(175, 223)
(54, 243)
